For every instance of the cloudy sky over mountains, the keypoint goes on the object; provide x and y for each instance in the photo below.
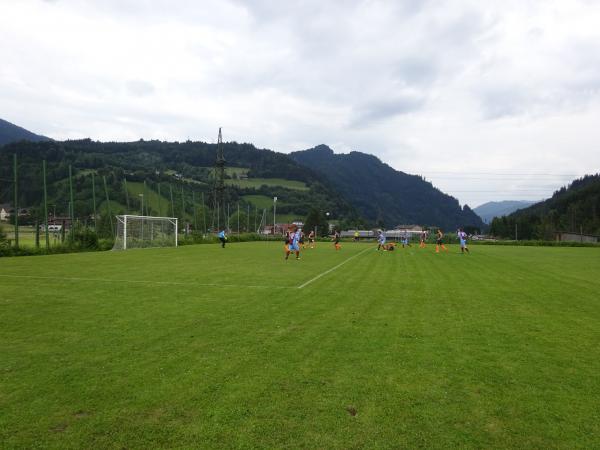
(489, 100)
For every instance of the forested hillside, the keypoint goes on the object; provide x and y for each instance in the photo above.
(172, 177)
(574, 208)
(384, 195)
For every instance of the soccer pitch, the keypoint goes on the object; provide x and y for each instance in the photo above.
(202, 347)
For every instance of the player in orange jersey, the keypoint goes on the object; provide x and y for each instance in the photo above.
(440, 242)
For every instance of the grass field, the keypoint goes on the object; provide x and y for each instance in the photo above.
(202, 347)
(258, 182)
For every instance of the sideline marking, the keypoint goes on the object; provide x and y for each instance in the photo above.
(333, 268)
(177, 283)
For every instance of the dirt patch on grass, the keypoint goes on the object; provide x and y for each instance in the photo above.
(59, 428)
(351, 410)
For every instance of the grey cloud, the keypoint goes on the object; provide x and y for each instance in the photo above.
(416, 70)
(502, 101)
(140, 88)
(379, 110)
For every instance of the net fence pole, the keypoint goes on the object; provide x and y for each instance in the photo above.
(125, 232)
(126, 194)
(112, 228)
(45, 205)
(159, 201)
(203, 213)
(182, 202)
(145, 200)
(195, 211)
(72, 209)
(172, 204)
(248, 219)
(94, 202)
(16, 207)
(238, 214)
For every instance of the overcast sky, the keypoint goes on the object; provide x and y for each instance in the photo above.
(488, 100)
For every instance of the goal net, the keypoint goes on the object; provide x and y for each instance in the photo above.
(145, 232)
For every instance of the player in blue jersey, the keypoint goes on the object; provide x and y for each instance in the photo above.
(462, 237)
(293, 243)
(381, 240)
(405, 240)
(222, 237)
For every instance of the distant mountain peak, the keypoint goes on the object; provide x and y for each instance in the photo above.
(489, 210)
(10, 132)
(384, 195)
(321, 148)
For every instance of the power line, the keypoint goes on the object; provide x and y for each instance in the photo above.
(467, 172)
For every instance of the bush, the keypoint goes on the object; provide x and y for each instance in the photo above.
(85, 238)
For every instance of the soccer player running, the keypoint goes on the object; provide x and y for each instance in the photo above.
(381, 240)
(440, 242)
(294, 243)
(336, 240)
(222, 237)
(311, 238)
(423, 239)
(462, 236)
(405, 241)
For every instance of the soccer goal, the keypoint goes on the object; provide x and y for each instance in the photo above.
(145, 232)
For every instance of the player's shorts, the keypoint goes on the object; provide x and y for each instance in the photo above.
(463, 243)
(293, 247)
(439, 242)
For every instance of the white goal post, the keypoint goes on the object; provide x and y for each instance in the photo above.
(145, 232)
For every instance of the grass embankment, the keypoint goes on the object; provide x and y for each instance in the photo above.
(205, 347)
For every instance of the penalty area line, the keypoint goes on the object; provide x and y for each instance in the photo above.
(166, 283)
(333, 268)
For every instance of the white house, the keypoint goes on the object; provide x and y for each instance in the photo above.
(5, 212)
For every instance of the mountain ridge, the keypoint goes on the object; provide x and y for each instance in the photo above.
(487, 211)
(385, 195)
(9, 132)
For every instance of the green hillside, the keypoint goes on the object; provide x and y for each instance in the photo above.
(574, 208)
(256, 183)
(183, 168)
(386, 196)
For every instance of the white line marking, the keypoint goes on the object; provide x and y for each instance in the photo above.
(333, 268)
(177, 283)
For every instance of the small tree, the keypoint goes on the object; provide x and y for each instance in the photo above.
(316, 219)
